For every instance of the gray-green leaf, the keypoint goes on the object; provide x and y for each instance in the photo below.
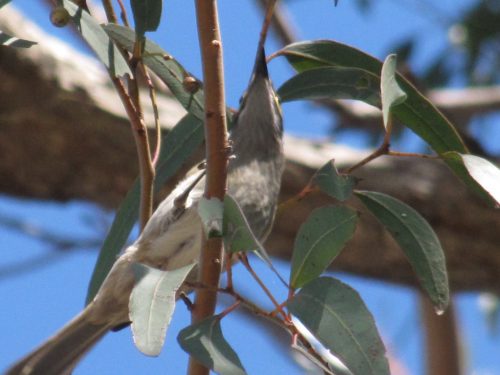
(332, 82)
(205, 342)
(416, 112)
(97, 39)
(4, 2)
(12, 41)
(417, 240)
(480, 175)
(392, 95)
(147, 15)
(337, 185)
(165, 67)
(152, 305)
(237, 233)
(319, 240)
(338, 318)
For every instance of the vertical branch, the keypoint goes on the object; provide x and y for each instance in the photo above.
(216, 154)
(441, 340)
(132, 106)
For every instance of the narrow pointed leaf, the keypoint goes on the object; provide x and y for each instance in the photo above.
(177, 147)
(147, 15)
(480, 175)
(97, 39)
(332, 82)
(337, 185)
(12, 41)
(152, 305)
(165, 67)
(335, 314)
(238, 235)
(417, 240)
(319, 240)
(4, 2)
(417, 113)
(205, 342)
(392, 94)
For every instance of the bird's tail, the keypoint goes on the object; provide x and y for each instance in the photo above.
(60, 354)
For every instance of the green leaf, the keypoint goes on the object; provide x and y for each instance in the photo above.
(480, 175)
(177, 147)
(333, 83)
(165, 67)
(152, 304)
(97, 39)
(319, 240)
(392, 95)
(416, 112)
(237, 233)
(205, 342)
(4, 2)
(12, 41)
(147, 15)
(338, 318)
(329, 180)
(417, 240)
(211, 212)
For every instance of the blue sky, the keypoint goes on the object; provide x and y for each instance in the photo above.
(39, 302)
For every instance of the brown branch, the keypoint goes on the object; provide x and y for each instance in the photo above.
(132, 106)
(110, 12)
(441, 340)
(216, 154)
(146, 169)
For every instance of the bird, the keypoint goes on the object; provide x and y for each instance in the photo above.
(172, 238)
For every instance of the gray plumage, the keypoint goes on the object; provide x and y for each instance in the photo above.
(172, 237)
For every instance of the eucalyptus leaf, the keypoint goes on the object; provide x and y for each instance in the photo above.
(4, 2)
(147, 15)
(335, 314)
(319, 240)
(417, 240)
(332, 82)
(177, 148)
(205, 342)
(211, 212)
(480, 175)
(97, 39)
(392, 95)
(164, 66)
(152, 305)
(417, 112)
(12, 41)
(333, 183)
(238, 235)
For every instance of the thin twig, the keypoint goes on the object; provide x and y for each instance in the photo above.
(154, 104)
(123, 13)
(146, 169)
(110, 12)
(244, 261)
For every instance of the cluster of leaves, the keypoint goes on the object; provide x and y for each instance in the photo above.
(332, 311)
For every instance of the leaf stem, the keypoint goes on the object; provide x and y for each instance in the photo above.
(244, 261)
